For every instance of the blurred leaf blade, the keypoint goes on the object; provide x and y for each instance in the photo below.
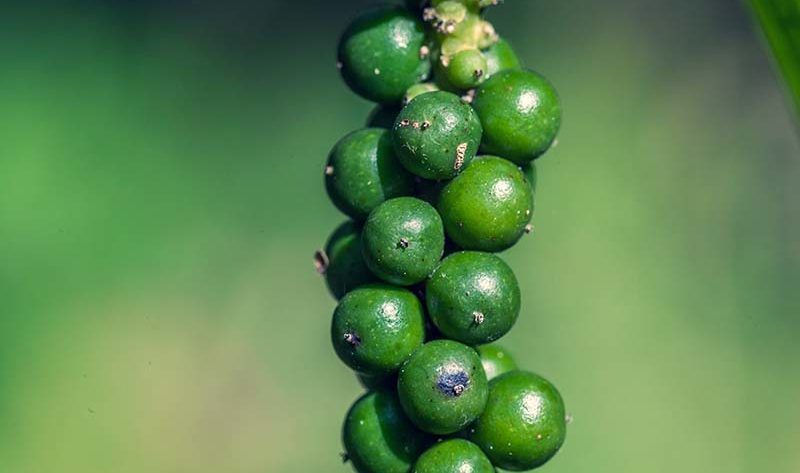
(780, 21)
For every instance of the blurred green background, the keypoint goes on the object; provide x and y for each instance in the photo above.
(161, 196)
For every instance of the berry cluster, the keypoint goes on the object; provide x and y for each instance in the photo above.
(417, 328)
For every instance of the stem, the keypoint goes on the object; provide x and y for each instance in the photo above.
(780, 21)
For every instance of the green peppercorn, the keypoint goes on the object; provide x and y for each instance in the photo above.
(473, 297)
(442, 387)
(453, 456)
(488, 206)
(466, 69)
(496, 360)
(377, 436)
(436, 135)
(520, 113)
(362, 172)
(341, 262)
(499, 57)
(403, 240)
(523, 424)
(381, 54)
(377, 327)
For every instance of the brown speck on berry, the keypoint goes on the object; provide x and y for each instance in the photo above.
(478, 317)
(321, 261)
(403, 243)
(458, 389)
(529, 228)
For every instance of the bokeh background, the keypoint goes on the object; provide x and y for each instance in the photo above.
(161, 196)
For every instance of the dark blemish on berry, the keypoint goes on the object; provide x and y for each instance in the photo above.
(321, 261)
(403, 243)
(352, 339)
(528, 228)
(426, 124)
(453, 384)
(478, 317)
(404, 122)
(478, 73)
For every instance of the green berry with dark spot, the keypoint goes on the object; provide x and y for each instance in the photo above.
(496, 360)
(520, 113)
(473, 297)
(380, 54)
(362, 172)
(524, 423)
(378, 437)
(403, 240)
(377, 327)
(342, 262)
(454, 456)
(488, 206)
(443, 387)
(382, 116)
(466, 69)
(499, 57)
(436, 135)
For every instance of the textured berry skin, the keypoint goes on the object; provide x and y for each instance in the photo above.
(473, 297)
(377, 436)
(453, 456)
(379, 54)
(496, 360)
(499, 57)
(362, 172)
(382, 116)
(346, 269)
(523, 425)
(436, 135)
(403, 240)
(377, 327)
(488, 206)
(442, 387)
(520, 113)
